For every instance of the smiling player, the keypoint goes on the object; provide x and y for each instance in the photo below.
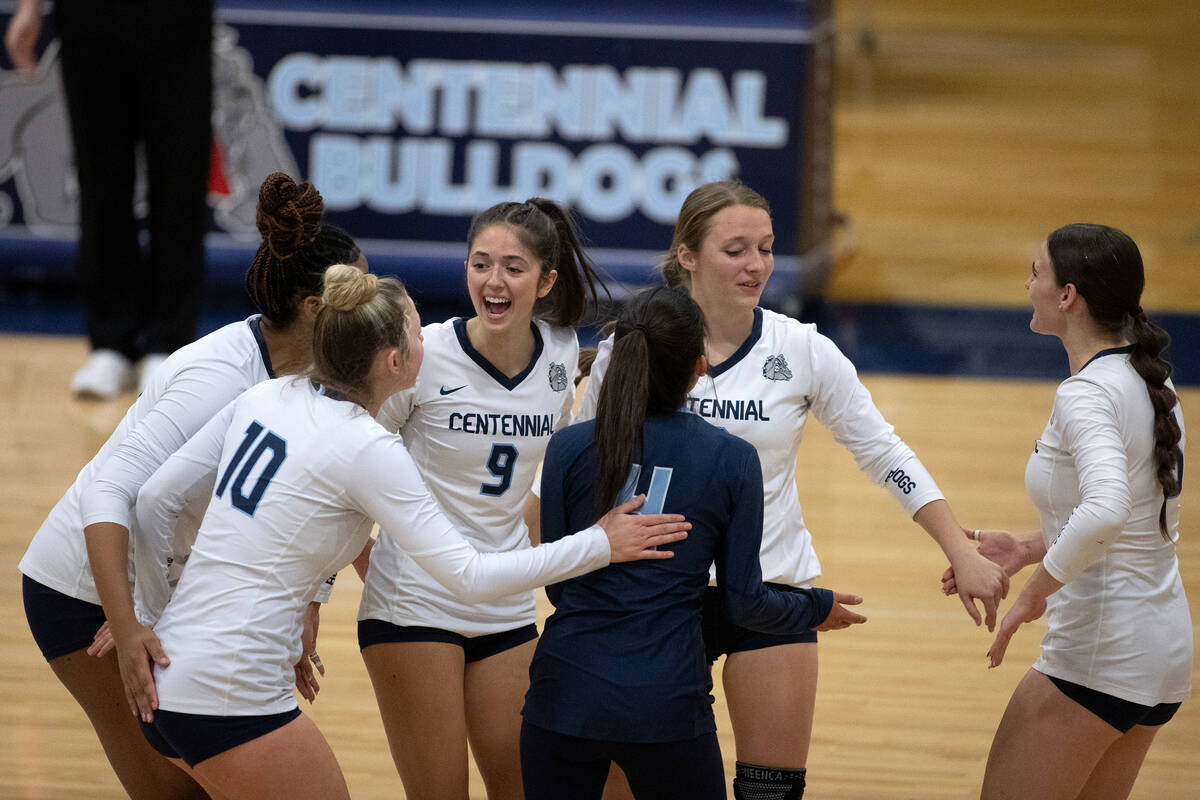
(767, 374)
(490, 392)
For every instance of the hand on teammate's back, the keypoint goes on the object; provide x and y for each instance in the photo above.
(633, 537)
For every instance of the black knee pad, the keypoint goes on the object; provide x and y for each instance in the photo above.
(753, 782)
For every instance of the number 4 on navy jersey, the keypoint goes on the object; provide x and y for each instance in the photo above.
(237, 494)
(656, 495)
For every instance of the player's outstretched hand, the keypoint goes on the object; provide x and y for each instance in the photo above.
(840, 616)
(633, 537)
(999, 547)
(1027, 608)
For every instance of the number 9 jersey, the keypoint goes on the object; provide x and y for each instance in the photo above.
(477, 437)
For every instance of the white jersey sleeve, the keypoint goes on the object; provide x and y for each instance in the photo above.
(391, 492)
(185, 479)
(591, 394)
(194, 383)
(396, 410)
(764, 393)
(1092, 434)
(185, 405)
(842, 404)
(1120, 624)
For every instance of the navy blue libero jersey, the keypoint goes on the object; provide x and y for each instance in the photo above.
(622, 657)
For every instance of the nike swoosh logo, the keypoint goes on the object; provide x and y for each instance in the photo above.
(446, 391)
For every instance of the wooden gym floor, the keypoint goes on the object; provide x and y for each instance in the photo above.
(906, 707)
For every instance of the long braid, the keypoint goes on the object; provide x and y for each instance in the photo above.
(1148, 345)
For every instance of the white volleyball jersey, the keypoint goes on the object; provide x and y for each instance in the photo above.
(477, 437)
(764, 393)
(299, 477)
(1120, 624)
(192, 385)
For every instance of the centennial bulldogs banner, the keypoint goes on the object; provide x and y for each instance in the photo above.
(409, 123)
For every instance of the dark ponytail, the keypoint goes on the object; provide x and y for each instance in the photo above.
(1149, 341)
(1106, 267)
(297, 246)
(657, 340)
(550, 234)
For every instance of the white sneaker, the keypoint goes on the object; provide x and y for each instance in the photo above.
(150, 365)
(106, 375)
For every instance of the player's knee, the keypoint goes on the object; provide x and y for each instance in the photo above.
(755, 782)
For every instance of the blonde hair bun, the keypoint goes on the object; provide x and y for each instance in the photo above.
(347, 288)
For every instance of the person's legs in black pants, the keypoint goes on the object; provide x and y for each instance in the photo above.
(102, 105)
(556, 766)
(176, 85)
(666, 770)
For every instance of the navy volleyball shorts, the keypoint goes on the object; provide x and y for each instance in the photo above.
(60, 624)
(198, 737)
(1121, 714)
(476, 648)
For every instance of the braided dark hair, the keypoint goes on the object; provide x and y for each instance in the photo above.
(1106, 268)
(297, 245)
(657, 340)
(551, 235)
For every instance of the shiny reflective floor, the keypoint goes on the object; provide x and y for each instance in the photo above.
(906, 707)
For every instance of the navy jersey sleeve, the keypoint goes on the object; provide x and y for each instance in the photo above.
(554, 507)
(751, 604)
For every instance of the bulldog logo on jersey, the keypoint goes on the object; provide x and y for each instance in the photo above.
(558, 377)
(775, 368)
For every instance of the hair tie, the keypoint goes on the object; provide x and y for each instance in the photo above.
(624, 328)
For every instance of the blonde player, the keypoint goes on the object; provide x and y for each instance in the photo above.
(295, 471)
(62, 604)
(767, 374)
(491, 391)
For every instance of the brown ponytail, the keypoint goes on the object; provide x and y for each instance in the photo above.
(657, 341)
